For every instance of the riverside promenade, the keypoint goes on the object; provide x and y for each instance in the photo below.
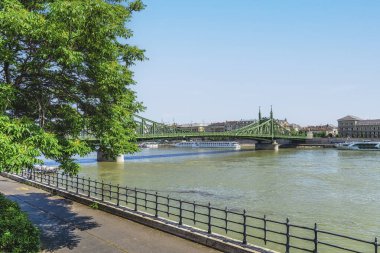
(67, 226)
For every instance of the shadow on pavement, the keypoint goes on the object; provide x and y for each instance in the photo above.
(55, 219)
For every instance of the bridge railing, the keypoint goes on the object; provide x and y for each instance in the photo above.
(236, 224)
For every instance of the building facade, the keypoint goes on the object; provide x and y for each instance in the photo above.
(322, 130)
(228, 125)
(354, 127)
(193, 127)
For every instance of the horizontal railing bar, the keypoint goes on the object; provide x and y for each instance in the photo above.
(275, 232)
(299, 248)
(192, 203)
(235, 213)
(172, 214)
(255, 217)
(339, 247)
(343, 236)
(254, 227)
(235, 231)
(192, 211)
(217, 226)
(235, 222)
(276, 242)
(190, 219)
(218, 218)
(276, 222)
(175, 207)
(301, 227)
(256, 237)
(301, 238)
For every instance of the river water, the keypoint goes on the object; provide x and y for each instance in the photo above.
(340, 190)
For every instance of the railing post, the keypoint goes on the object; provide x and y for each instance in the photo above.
(156, 208)
(56, 177)
(110, 191)
(145, 203)
(22, 173)
(315, 238)
(102, 192)
(167, 204)
(194, 213)
(77, 188)
(209, 218)
(135, 199)
(376, 245)
(126, 195)
(118, 195)
(180, 212)
(96, 188)
(89, 188)
(67, 185)
(226, 220)
(83, 186)
(287, 236)
(34, 175)
(49, 179)
(265, 229)
(244, 227)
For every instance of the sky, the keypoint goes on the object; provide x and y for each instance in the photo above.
(314, 61)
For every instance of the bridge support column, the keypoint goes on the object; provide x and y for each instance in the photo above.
(102, 157)
(267, 146)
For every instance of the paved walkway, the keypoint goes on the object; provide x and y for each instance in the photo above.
(68, 226)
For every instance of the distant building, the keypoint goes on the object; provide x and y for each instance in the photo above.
(289, 126)
(354, 127)
(228, 125)
(322, 130)
(193, 127)
(233, 125)
(216, 127)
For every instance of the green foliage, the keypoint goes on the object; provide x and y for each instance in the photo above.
(94, 206)
(17, 233)
(64, 71)
(321, 134)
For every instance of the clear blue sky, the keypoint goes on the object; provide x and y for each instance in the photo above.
(215, 60)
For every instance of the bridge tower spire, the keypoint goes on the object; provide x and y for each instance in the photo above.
(259, 114)
(271, 123)
(271, 112)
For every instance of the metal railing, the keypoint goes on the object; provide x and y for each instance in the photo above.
(280, 235)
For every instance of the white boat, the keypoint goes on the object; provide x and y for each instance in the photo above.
(208, 144)
(149, 145)
(359, 145)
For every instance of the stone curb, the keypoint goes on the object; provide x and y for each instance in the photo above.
(214, 241)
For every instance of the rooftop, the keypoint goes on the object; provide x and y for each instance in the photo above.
(349, 117)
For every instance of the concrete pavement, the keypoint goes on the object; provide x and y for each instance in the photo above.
(68, 226)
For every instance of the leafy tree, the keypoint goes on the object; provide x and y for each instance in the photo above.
(65, 71)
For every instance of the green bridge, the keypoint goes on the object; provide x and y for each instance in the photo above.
(264, 129)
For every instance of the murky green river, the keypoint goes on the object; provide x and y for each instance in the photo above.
(340, 190)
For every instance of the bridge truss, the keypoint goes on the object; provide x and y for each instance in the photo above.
(263, 129)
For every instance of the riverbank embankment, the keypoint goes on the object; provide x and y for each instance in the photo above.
(102, 228)
(68, 226)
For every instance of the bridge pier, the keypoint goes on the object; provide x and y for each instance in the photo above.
(102, 157)
(267, 146)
